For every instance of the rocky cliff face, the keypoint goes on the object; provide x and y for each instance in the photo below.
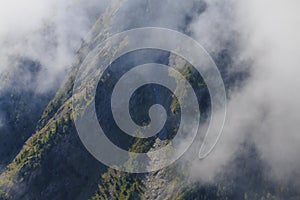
(45, 158)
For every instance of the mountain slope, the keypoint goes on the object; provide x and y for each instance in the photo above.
(19, 113)
(53, 163)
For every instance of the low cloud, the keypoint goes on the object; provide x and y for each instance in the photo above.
(271, 39)
(264, 33)
(265, 109)
(46, 32)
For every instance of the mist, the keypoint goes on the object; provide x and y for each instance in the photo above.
(272, 39)
(46, 32)
(264, 108)
(262, 33)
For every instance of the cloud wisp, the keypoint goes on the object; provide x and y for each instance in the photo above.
(264, 32)
(265, 109)
(48, 33)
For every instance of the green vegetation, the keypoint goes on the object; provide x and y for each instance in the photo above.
(4, 195)
(119, 185)
(36, 147)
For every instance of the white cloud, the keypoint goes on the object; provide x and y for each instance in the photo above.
(266, 108)
(271, 39)
(267, 33)
(48, 32)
